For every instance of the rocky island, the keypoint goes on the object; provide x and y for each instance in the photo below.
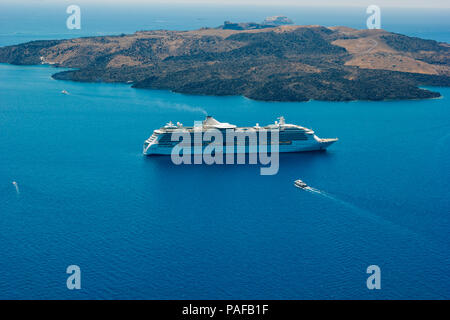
(271, 62)
(269, 22)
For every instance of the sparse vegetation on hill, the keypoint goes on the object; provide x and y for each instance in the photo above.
(285, 63)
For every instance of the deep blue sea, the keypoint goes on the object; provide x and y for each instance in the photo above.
(144, 228)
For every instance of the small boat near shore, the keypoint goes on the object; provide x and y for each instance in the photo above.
(64, 92)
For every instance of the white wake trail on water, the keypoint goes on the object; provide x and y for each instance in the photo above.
(363, 212)
(16, 186)
(340, 201)
(323, 193)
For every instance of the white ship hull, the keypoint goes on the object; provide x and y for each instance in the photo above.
(291, 138)
(303, 146)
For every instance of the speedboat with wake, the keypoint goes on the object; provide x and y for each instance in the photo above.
(300, 184)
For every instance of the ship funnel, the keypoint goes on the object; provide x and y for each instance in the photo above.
(169, 125)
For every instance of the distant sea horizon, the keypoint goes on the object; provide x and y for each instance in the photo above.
(22, 23)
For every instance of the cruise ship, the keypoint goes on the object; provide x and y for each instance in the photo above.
(291, 138)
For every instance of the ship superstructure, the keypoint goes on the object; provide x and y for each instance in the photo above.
(291, 138)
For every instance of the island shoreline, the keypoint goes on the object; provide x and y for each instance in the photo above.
(276, 64)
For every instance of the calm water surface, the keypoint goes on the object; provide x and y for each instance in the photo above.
(144, 228)
(147, 229)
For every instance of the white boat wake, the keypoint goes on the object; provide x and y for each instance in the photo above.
(323, 193)
(16, 186)
(340, 201)
(363, 212)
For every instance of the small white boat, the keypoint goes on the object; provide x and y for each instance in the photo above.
(64, 92)
(300, 184)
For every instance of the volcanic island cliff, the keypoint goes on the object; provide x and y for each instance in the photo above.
(259, 61)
